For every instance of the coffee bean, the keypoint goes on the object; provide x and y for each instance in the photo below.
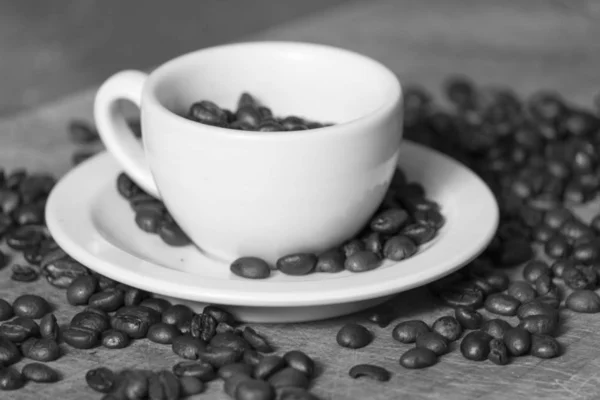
(230, 340)
(294, 393)
(19, 329)
(498, 352)
(289, 377)
(37, 372)
(542, 233)
(539, 324)
(543, 346)
(164, 385)
(475, 345)
(297, 264)
(468, 317)
(92, 320)
(370, 371)
(9, 353)
(418, 233)
(352, 247)
(219, 314)
(162, 333)
(409, 331)
(544, 285)
(41, 349)
(252, 357)
(62, 272)
(330, 261)
(81, 338)
(248, 115)
(399, 247)
(459, 295)
(81, 289)
(417, 358)
(495, 327)
(113, 339)
(536, 307)
(574, 229)
(517, 341)
(251, 267)
(431, 218)
(135, 320)
(177, 314)
(448, 327)
(171, 234)
(203, 326)
(362, 261)
(157, 304)
(299, 360)
(190, 386)
(10, 379)
(373, 243)
(257, 341)
(586, 253)
(229, 370)
(389, 221)
(521, 291)
(381, 315)
(583, 301)
(31, 306)
(220, 356)
(29, 214)
(207, 112)
(126, 187)
(188, 347)
(556, 218)
(534, 269)
(354, 336)
(502, 304)
(6, 311)
(24, 273)
(100, 379)
(135, 384)
(557, 247)
(148, 220)
(134, 296)
(109, 300)
(254, 389)
(24, 236)
(580, 277)
(268, 366)
(433, 341)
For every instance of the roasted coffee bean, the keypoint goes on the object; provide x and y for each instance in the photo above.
(498, 352)
(539, 324)
(126, 187)
(580, 277)
(521, 291)
(433, 341)
(331, 261)
(9, 201)
(81, 338)
(62, 272)
(171, 234)
(448, 327)
(534, 269)
(207, 112)
(409, 331)
(542, 233)
(230, 385)
(223, 327)
(362, 261)
(398, 248)
(254, 389)
(19, 329)
(109, 300)
(52, 256)
(134, 296)
(229, 370)
(544, 285)
(134, 384)
(81, 289)
(177, 314)
(196, 369)
(515, 252)
(586, 253)
(219, 314)
(90, 319)
(495, 327)
(459, 295)
(502, 304)
(559, 266)
(38, 372)
(373, 243)
(418, 233)
(389, 221)
(230, 340)
(583, 301)
(248, 115)
(101, 379)
(162, 333)
(468, 317)
(190, 386)
(113, 339)
(354, 336)
(188, 347)
(268, 366)
(297, 264)
(431, 218)
(220, 356)
(289, 377)
(156, 303)
(148, 220)
(370, 371)
(556, 218)
(257, 341)
(543, 346)
(24, 237)
(6, 310)
(536, 307)
(475, 345)
(251, 267)
(381, 315)
(31, 306)
(352, 247)
(166, 386)
(417, 358)
(29, 214)
(24, 273)
(6, 223)
(9, 353)
(135, 320)
(41, 349)
(575, 229)
(270, 126)
(557, 247)
(517, 341)
(298, 360)
(10, 379)
(252, 357)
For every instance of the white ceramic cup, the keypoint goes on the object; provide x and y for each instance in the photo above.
(264, 194)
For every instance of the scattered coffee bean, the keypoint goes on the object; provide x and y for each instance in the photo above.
(370, 371)
(157, 304)
(100, 379)
(41, 349)
(557, 247)
(433, 341)
(544, 285)
(188, 347)
(113, 339)
(231, 385)
(135, 320)
(542, 233)
(417, 358)
(475, 345)
(190, 386)
(418, 233)
(354, 336)
(24, 273)
(81, 289)
(134, 296)
(177, 314)
(583, 301)
(448, 327)
(108, 300)
(495, 327)
(49, 327)
(330, 261)
(289, 377)
(24, 237)
(468, 317)
(19, 329)
(196, 369)
(10, 379)
(6, 310)
(31, 306)
(502, 304)
(9, 353)
(498, 352)
(353, 246)
(230, 340)
(536, 307)
(539, 324)
(398, 248)
(517, 341)
(298, 360)
(203, 326)
(81, 338)
(268, 366)
(297, 264)
(543, 346)
(41, 373)
(63, 271)
(162, 333)
(409, 331)
(462, 296)
(251, 267)
(220, 356)
(362, 261)
(92, 319)
(580, 277)
(515, 252)
(257, 341)
(229, 370)
(521, 291)
(252, 357)
(534, 269)
(294, 393)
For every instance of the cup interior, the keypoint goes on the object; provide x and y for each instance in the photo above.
(316, 82)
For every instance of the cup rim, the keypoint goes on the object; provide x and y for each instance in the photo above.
(162, 71)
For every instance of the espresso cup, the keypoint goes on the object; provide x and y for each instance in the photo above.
(263, 194)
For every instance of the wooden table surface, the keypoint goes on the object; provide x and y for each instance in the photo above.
(526, 44)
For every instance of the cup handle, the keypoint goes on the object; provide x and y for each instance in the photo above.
(114, 131)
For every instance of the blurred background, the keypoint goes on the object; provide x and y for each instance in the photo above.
(52, 48)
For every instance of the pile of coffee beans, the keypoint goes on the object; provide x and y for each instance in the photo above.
(249, 116)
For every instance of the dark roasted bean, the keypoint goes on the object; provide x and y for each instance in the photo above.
(251, 267)
(475, 345)
(521, 291)
(517, 341)
(162, 333)
(24, 237)
(373, 243)
(252, 357)
(495, 327)
(113, 339)
(389, 221)
(498, 352)
(177, 314)
(229, 370)
(399, 247)
(574, 229)
(536, 307)
(41, 349)
(10, 379)
(381, 315)
(298, 360)
(580, 277)
(220, 356)
(502, 304)
(9, 353)
(586, 253)
(81, 338)
(109, 300)
(29, 214)
(409, 331)
(539, 324)
(418, 233)
(219, 314)
(297, 264)
(544, 285)
(331, 261)
(197, 369)
(188, 347)
(169, 384)
(354, 336)
(417, 358)
(31, 306)
(156, 303)
(90, 319)
(459, 295)
(270, 126)
(534, 269)
(81, 289)
(135, 384)
(257, 341)
(543, 346)
(6, 311)
(362, 261)
(230, 340)
(38, 372)
(126, 187)
(268, 366)
(134, 296)
(289, 377)
(542, 233)
(100, 379)
(63, 271)
(171, 234)
(254, 390)
(448, 327)
(370, 371)
(148, 220)
(230, 385)
(190, 386)
(208, 112)
(557, 247)
(431, 218)
(558, 267)
(583, 301)
(223, 327)
(24, 273)
(352, 247)
(433, 341)
(135, 320)
(468, 317)
(19, 329)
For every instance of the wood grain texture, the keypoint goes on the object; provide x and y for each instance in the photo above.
(529, 45)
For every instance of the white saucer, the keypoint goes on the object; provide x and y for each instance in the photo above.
(91, 222)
